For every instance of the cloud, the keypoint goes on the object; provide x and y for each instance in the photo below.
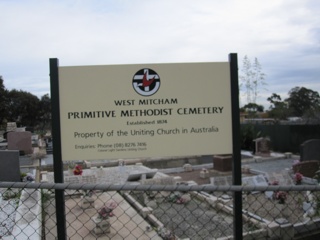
(283, 35)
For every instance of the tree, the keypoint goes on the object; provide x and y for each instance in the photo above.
(303, 100)
(253, 79)
(252, 109)
(278, 109)
(23, 108)
(3, 101)
(44, 111)
(275, 99)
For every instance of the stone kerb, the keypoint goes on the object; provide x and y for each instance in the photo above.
(159, 181)
(28, 216)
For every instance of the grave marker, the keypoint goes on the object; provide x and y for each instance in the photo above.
(283, 178)
(9, 166)
(20, 141)
(310, 150)
(258, 180)
(223, 181)
(262, 147)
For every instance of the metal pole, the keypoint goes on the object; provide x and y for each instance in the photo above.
(236, 166)
(57, 156)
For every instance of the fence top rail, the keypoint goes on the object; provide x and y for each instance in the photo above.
(130, 187)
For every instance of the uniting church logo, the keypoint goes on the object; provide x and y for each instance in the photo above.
(146, 82)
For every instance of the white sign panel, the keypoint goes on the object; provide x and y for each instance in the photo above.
(150, 110)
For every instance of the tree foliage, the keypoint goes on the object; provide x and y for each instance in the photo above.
(278, 109)
(3, 101)
(302, 100)
(44, 111)
(24, 108)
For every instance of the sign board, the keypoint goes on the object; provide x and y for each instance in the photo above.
(145, 110)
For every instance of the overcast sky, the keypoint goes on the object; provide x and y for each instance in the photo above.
(284, 36)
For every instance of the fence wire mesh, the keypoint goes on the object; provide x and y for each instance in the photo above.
(28, 211)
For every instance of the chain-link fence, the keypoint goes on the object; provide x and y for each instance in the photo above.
(28, 211)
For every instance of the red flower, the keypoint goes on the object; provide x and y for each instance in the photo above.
(280, 196)
(298, 177)
(77, 170)
(274, 183)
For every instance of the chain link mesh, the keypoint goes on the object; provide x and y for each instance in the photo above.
(28, 211)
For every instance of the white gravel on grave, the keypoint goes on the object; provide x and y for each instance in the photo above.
(7, 216)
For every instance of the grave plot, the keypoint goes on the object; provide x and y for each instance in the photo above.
(187, 216)
(125, 222)
(8, 204)
(263, 207)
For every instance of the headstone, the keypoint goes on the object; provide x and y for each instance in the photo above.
(88, 179)
(20, 141)
(307, 168)
(310, 150)
(283, 178)
(262, 147)
(187, 167)
(35, 140)
(223, 181)
(9, 166)
(72, 179)
(80, 179)
(258, 180)
(222, 163)
(11, 126)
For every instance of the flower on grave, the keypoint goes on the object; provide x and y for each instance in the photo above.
(280, 196)
(106, 211)
(298, 178)
(181, 200)
(177, 198)
(28, 178)
(274, 183)
(77, 170)
(88, 193)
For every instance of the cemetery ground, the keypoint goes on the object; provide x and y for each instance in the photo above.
(202, 218)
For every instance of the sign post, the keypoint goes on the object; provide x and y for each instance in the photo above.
(236, 148)
(57, 157)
